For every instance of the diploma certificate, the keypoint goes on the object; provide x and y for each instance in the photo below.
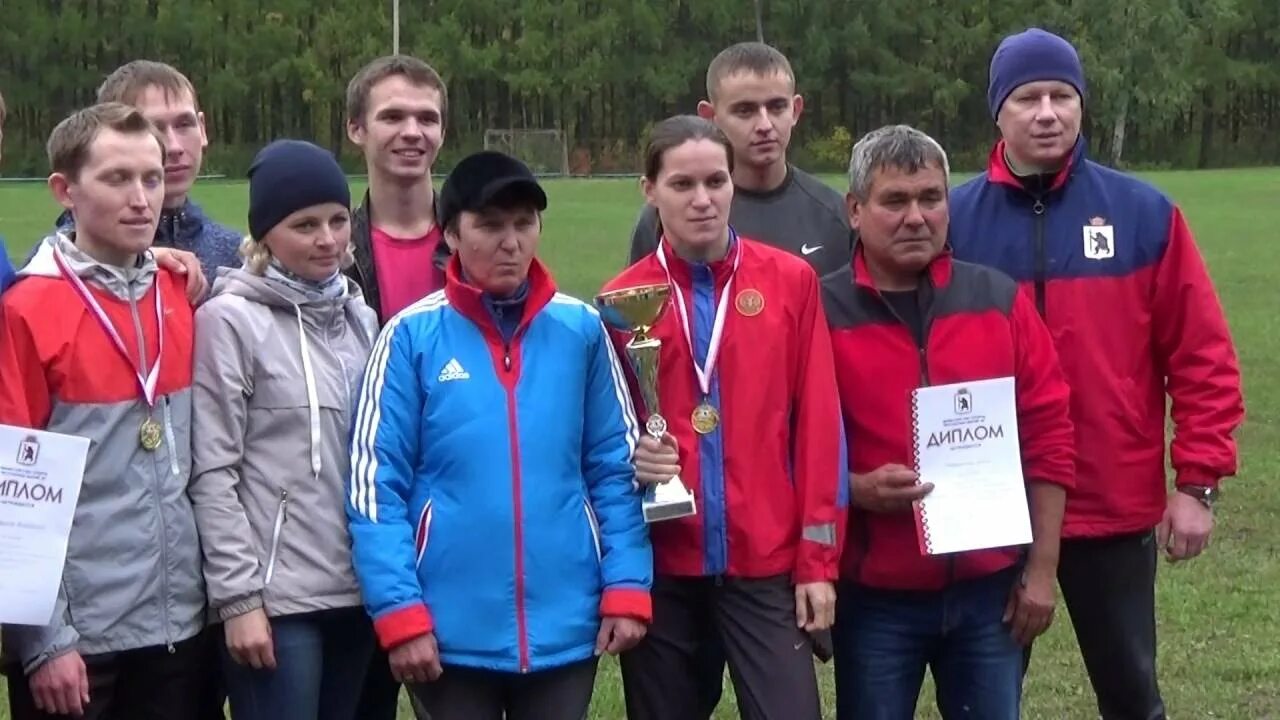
(40, 476)
(965, 442)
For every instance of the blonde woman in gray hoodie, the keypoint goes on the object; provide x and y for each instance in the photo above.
(280, 350)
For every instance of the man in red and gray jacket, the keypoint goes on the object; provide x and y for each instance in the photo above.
(1113, 269)
(906, 315)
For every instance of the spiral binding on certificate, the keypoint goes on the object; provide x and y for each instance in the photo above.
(920, 511)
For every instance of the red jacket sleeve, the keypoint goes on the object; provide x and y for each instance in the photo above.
(1195, 352)
(24, 392)
(1045, 431)
(818, 446)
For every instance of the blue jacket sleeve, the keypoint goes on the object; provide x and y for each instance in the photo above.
(384, 448)
(609, 437)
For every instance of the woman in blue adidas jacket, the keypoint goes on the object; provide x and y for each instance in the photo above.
(496, 524)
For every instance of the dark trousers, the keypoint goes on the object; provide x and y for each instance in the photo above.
(461, 693)
(884, 640)
(144, 684)
(380, 697)
(667, 676)
(1109, 588)
(321, 659)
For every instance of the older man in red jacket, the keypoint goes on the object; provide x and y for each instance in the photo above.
(905, 315)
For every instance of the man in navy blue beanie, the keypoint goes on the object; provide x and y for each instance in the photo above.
(1114, 271)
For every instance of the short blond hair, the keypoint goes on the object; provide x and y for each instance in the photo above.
(70, 141)
(257, 256)
(756, 58)
(127, 82)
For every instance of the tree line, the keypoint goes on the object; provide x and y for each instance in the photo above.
(1172, 83)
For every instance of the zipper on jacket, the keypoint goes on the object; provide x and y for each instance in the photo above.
(517, 517)
(282, 514)
(157, 491)
(517, 508)
(926, 317)
(922, 348)
(1040, 271)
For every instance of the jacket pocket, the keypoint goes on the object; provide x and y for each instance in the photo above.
(282, 515)
(595, 528)
(421, 533)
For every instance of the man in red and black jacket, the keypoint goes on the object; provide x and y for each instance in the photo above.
(1113, 269)
(903, 316)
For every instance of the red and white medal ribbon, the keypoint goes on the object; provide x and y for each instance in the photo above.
(717, 328)
(147, 383)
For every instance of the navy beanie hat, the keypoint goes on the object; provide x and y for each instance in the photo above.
(1030, 56)
(289, 175)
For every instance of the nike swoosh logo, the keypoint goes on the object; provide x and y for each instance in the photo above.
(806, 250)
(801, 643)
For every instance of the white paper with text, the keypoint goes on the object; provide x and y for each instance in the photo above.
(40, 476)
(966, 444)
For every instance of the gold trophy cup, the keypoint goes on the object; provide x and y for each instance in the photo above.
(636, 309)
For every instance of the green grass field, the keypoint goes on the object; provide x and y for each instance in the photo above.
(1219, 643)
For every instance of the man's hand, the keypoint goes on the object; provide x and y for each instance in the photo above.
(416, 661)
(887, 489)
(1029, 611)
(184, 263)
(61, 685)
(619, 634)
(656, 461)
(815, 606)
(249, 640)
(1184, 531)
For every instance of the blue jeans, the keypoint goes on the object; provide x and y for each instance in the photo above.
(884, 640)
(321, 659)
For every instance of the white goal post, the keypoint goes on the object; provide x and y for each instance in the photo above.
(543, 150)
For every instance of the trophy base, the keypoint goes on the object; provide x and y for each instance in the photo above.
(668, 501)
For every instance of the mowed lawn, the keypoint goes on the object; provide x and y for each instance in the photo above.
(1219, 643)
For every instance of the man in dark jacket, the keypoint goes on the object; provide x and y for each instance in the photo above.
(396, 109)
(1079, 237)
(168, 99)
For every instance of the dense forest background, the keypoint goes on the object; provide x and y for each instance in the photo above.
(1173, 83)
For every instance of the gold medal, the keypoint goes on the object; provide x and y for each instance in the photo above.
(149, 434)
(705, 418)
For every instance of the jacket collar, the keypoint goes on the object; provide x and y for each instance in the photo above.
(999, 172)
(938, 271)
(123, 283)
(176, 224)
(469, 299)
(366, 207)
(682, 270)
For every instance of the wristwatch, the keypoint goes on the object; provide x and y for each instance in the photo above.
(1205, 494)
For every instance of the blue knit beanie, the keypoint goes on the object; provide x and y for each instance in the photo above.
(289, 175)
(1030, 56)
